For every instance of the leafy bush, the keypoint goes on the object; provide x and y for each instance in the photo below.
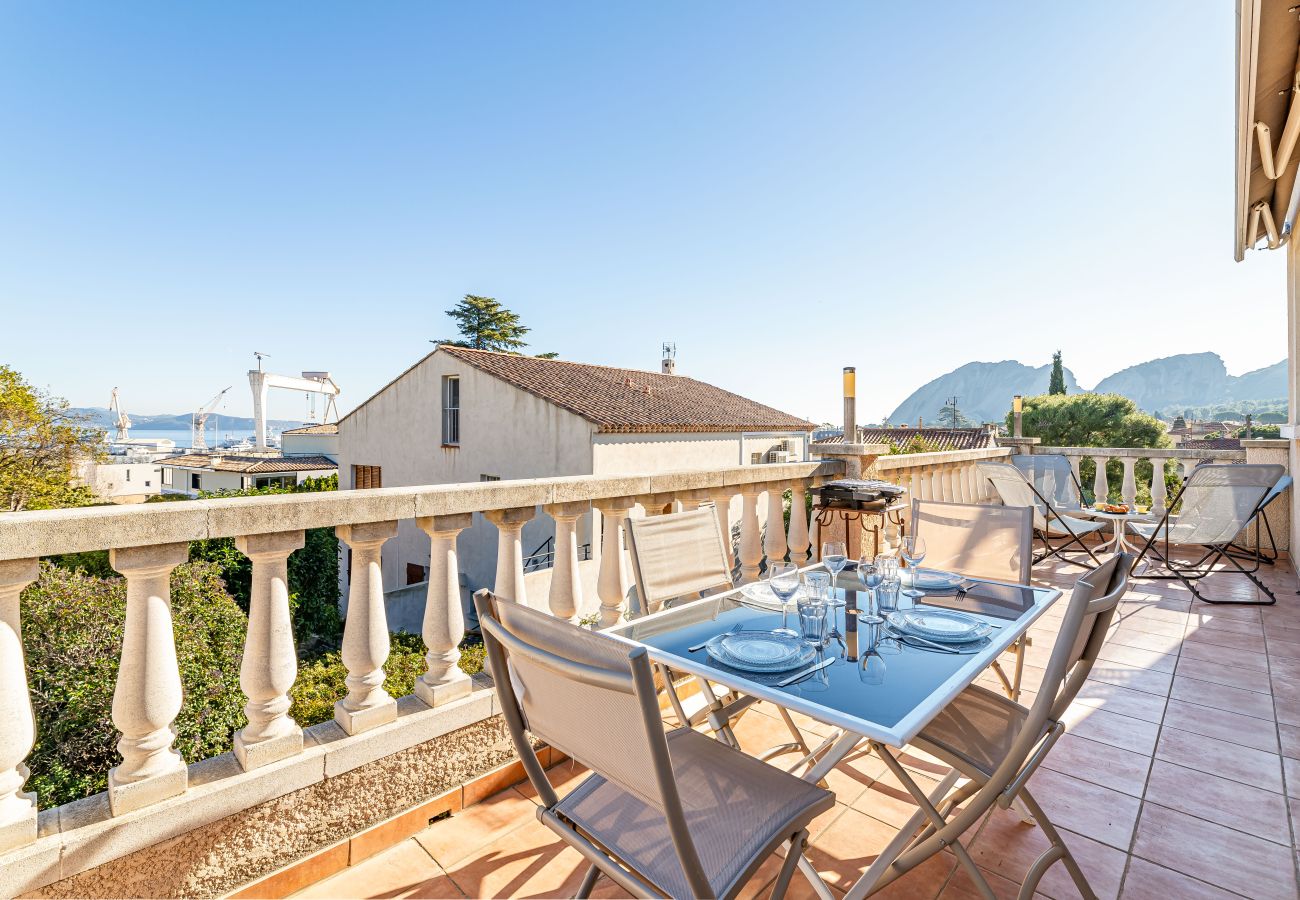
(72, 633)
(321, 681)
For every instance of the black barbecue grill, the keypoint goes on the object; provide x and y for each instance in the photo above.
(858, 495)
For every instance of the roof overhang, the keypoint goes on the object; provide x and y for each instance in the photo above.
(1268, 33)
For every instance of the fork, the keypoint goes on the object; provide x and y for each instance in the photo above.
(701, 646)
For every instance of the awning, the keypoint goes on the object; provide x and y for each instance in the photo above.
(1268, 33)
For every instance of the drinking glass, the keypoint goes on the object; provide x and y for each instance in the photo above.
(835, 557)
(812, 619)
(891, 585)
(871, 665)
(783, 578)
(871, 576)
(913, 552)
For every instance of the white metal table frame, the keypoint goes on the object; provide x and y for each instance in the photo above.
(1119, 522)
(852, 729)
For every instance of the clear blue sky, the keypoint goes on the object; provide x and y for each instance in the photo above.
(782, 189)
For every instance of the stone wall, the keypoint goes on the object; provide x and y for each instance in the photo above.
(219, 857)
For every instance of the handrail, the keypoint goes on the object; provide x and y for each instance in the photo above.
(48, 532)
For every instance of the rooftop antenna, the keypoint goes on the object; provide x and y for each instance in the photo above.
(668, 365)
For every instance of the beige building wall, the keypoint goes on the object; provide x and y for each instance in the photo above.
(310, 445)
(123, 482)
(504, 433)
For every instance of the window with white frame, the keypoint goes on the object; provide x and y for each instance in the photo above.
(450, 410)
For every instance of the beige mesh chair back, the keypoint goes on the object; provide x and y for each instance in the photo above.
(1053, 477)
(675, 556)
(999, 744)
(662, 814)
(1062, 535)
(994, 542)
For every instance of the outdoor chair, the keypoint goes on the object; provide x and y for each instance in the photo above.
(1215, 504)
(1059, 533)
(1261, 519)
(994, 542)
(998, 744)
(663, 814)
(680, 557)
(1053, 477)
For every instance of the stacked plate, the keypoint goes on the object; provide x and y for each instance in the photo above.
(930, 580)
(759, 651)
(942, 626)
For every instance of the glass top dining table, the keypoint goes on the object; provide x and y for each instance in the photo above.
(875, 687)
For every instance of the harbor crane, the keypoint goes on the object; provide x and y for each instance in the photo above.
(308, 383)
(199, 422)
(122, 422)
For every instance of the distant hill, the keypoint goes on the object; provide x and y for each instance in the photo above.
(983, 391)
(179, 422)
(1168, 386)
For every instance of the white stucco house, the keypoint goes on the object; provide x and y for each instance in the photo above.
(463, 415)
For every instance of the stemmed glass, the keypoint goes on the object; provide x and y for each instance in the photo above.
(871, 576)
(871, 665)
(913, 552)
(835, 557)
(783, 578)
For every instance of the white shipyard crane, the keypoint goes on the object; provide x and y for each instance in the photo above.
(308, 383)
(199, 422)
(122, 422)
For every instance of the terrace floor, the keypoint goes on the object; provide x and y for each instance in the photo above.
(1179, 777)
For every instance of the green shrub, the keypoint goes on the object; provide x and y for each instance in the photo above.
(321, 681)
(72, 633)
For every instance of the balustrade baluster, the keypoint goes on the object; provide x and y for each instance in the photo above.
(509, 582)
(147, 695)
(799, 523)
(1074, 467)
(751, 549)
(1188, 466)
(1129, 486)
(566, 583)
(721, 498)
(443, 627)
(17, 723)
(270, 660)
(1100, 486)
(1159, 495)
(774, 546)
(365, 632)
(612, 580)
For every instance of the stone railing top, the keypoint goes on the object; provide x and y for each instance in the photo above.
(1145, 452)
(938, 458)
(47, 532)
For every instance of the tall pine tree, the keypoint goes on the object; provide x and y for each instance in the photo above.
(484, 324)
(1057, 384)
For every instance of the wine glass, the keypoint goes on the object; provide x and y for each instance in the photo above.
(913, 552)
(835, 557)
(783, 578)
(871, 665)
(871, 576)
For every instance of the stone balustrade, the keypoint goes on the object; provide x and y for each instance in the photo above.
(948, 475)
(1163, 461)
(146, 542)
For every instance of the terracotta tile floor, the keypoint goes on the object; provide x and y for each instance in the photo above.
(1172, 781)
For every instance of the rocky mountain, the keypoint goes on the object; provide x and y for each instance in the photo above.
(1167, 385)
(982, 389)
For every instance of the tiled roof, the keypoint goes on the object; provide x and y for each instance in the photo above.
(219, 462)
(330, 428)
(630, 400)
(1212, 444)
(941, 438)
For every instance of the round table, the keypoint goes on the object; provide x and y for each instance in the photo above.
(1119, 539)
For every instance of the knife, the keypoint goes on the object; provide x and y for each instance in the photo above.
(906, 636)
(786, 682)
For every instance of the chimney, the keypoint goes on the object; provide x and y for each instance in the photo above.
(668, 365)
(850, 405)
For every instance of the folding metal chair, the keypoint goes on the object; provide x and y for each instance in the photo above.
(1261, 519)
(673, 814)
(1057, 531)
(998, 744)
(978, 541)
(1216, 503)
(680, 557)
